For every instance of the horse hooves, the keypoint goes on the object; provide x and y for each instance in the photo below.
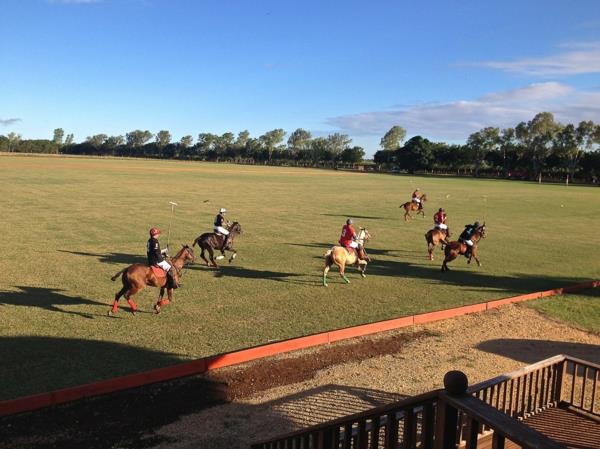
(111, 312)
(133, 312)
(156, 309)
(363, 275)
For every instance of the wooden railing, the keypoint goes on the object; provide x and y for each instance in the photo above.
(581, 385)
(409, 423)
(558, 380)
(444, 420)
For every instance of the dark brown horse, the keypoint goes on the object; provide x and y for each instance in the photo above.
(137, 276)
(411, 206)
(211, 241)
(455, 249)
(434, 237)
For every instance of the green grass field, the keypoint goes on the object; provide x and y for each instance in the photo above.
(71, 223)
(581, 310)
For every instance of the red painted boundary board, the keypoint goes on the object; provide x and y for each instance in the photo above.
(200, 366)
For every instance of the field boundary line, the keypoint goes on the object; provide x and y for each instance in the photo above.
(200, 366)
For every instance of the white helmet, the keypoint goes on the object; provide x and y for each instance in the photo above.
(222, 210)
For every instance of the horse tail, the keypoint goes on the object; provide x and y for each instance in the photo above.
(328, 253)
(114, 278)
(196, 242)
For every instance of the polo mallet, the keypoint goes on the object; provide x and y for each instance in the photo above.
(484, 206)
(171, 221)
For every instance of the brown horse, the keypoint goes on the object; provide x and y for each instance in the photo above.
(341, 257)
(137, 276)
(411, 206)
(454, 249)
(434, 237)
(211, 241)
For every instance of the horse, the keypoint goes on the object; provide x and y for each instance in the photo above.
(211, 241)
(434, 237)
(137, 276)
(342, 257)
(454, 249)
(410, 206)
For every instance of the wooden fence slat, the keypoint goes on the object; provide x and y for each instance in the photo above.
(408, 437)
(391, 431)
(497, 441)
(428, 426)
(375, 428)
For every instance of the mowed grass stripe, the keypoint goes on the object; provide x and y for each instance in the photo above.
(71, 223)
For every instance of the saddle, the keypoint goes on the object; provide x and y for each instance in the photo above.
(351, 251)
(158, 272)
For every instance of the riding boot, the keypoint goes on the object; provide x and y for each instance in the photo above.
(171, 281)
(225, 242)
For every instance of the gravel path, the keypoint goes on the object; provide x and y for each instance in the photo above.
(482, 345)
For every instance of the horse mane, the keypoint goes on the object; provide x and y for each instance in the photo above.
(180, 252)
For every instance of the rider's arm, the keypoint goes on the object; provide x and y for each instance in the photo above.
(157, 252)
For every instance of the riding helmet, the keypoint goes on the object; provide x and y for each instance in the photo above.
(441, 210)
(154, 232)
(349, 221)
(222, 210)
(476, 224)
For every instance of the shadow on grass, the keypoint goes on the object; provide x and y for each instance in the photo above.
(123, 419)
(48, 299)
(531, 351)
(226, 270)
(133, 418)
(364, 217)
(475, 277)
(112, 258)
(371, 251)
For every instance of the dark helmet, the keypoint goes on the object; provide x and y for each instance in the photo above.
(476, 224)
(154, 232)
(349, 221)
(441, 210)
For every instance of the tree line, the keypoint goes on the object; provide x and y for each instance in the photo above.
(541, 146)
(301, 147)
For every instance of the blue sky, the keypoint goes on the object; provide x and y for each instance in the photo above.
(442, 69)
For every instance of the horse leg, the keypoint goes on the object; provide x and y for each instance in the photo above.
(362, 266)
(132, 291)
(474, 255)
(203, 257)
(163, 302)
(160, 301)
(445, 265)
(211, 254)
(325, 271)
(233, 256)
(342, 272)
(115, 306)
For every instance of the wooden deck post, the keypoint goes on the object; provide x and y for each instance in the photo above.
(447, 431)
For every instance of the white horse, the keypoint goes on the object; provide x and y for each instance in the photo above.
(341, 257)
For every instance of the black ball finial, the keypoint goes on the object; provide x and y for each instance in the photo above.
(456, 382)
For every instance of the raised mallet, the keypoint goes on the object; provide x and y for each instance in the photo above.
(171, 220)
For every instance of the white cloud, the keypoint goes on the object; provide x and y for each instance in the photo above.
(9, 121)
(582, 57)
(456, 120)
